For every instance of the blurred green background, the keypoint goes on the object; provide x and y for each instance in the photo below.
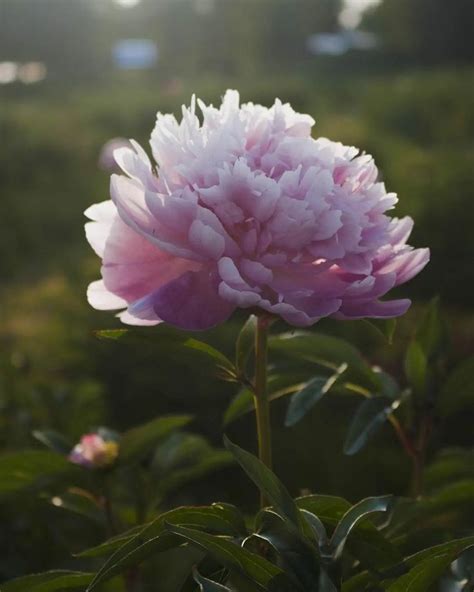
(395, 79)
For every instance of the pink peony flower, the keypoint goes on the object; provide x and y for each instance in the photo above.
(247, 210)
(94, 452)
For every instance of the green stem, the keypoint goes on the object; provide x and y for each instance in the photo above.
(262, 406)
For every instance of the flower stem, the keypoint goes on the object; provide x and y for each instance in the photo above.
(262, 406)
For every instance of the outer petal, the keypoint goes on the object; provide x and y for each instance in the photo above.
(373, 309)
(97, 231)
(133, 267)
(191, 302)
(102, 299)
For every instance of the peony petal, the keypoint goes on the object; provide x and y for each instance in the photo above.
(102, 299)
(192, 302)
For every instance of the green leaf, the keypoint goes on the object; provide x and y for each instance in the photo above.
(316, 526)
(458, 390)
(278, 386)
(80, 504)
(155, 537)
(416, 367)
(212, 461)
(369, 417)
(297, 556)
(463, 567)
(50, 581)
(431, 332)
(354, 515)
(427, 567)
(328, 351)
(266, 481)
(206, 585)
(365, 542)
(53, 440)
(257, 569)
(171, 342)
(385, 328)
(32, 468)
(138, 442)
(389, 386)
(314, 390)
(450, 465)
(245, 344)
(242, 403)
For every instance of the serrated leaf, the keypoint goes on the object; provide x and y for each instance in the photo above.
(206, 585)
(257, 569)
(353, 516)
(416, 367)
(314, 390)
(54, 441)
(369, 417)
(245, 344)
(50, 581)
(155, 537)
(267, 482)
(140, 441)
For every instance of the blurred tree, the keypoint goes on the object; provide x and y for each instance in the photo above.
(430, 31)
(64, 35)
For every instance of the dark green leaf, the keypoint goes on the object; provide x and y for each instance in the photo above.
(354, 515)
(140, 441)
(369, 417)
(416, 367)
(297, 556)
(316, 526)
(302, 401)
(458, 390)
(388, 385)
(257, 569)
(365, 542)
(245, 344)
(32, 468)
(463, 567)
(431, 332)
(79, 503)
(266, 481)
(425, 571)
(383, 327)
(154, 537)
(278, 386)
(53, 440)
(50, 581)
(212, 461)
(206, 585)
(170, 342)
(328, 351)
(242, 403)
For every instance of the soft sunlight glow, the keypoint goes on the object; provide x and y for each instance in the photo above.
(127, 3)
(351, 14)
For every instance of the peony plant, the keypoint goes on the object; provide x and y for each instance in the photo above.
(245, 210)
